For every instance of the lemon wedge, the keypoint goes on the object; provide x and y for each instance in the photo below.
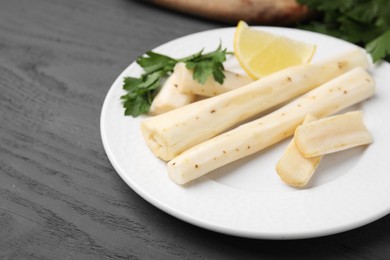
(261, 53)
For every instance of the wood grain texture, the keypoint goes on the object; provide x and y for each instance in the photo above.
(60, 198)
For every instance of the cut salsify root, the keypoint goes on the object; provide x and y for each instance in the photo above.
(295, 169)
(332, 134)
(315, 138)
(171, 133)
(169, 97)
(335, 95)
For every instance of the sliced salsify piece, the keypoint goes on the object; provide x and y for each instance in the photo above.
(332, 134)
(169, 97)
(293, 168)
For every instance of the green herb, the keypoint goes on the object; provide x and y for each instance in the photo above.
(363, 22)
(141, 91)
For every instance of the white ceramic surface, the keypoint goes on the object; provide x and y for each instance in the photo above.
(247, 198)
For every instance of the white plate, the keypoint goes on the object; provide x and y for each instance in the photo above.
(246, 198)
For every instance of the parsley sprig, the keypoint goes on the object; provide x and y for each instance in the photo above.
(363, 22)
(142, 90)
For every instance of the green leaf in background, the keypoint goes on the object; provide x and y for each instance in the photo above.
(328, 5)
(380, 47)
(363, 22)
(364, 12)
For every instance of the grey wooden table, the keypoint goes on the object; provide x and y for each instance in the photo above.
(60, 197)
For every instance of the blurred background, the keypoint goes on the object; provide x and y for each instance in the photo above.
(60, 197)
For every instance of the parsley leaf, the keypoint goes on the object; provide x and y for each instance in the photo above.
(205, 65)
(155, 61)
(380, 47)
(141, 91)
(363, 22)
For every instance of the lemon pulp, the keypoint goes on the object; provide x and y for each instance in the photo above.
(261, 53)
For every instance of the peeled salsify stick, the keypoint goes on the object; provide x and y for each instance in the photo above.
(180, 89)
(171, 133)
(169, 97)
(332, 134)
(339, 93)
(186, 83)
(295, 169)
